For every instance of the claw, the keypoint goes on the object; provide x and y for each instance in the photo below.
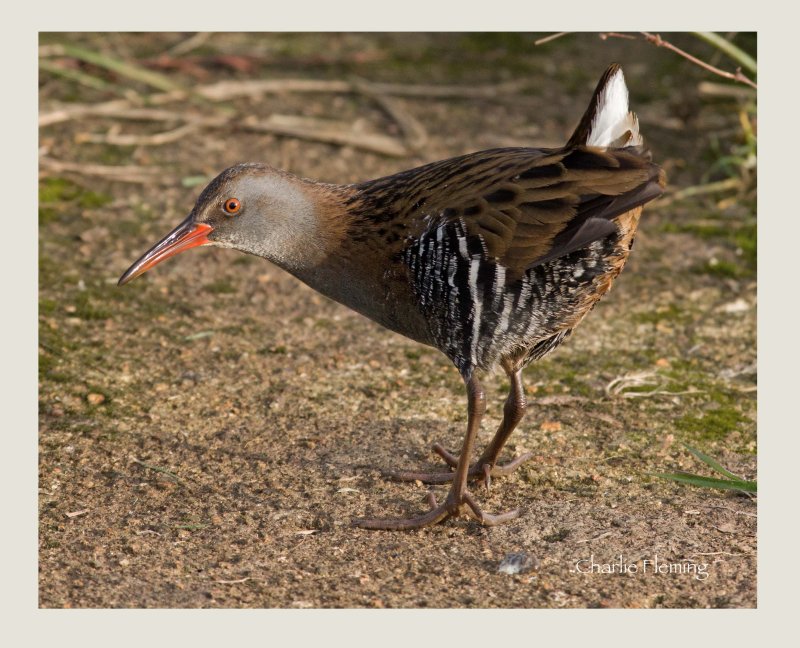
(432, 500)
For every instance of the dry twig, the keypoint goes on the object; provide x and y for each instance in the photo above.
(295, 126)
(74, 514)
(640, 379)
(709, 37)
(549, 38)
(107, 108)
(326, 130)
(414, 132)
(157, 139)
(656, 40)
(225, 90)
(711, 89)
(607, 35)
(157, 469)
(699, 190)
(134, 174)
(191, 43)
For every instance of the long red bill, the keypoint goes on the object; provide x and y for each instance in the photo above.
(184, 237)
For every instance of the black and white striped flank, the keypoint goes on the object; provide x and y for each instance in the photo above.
(475, 316)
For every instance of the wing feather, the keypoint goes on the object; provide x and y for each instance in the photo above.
(521, 206)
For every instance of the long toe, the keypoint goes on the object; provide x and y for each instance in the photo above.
(476, 470)
(424, 477)
(488, 519)
(451, 507)
(449, 458)
(501, 470)
(434, 516)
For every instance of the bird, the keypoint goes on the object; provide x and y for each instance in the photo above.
(493, 257)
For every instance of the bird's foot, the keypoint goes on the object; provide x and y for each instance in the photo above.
(451, 507)
(481, 469)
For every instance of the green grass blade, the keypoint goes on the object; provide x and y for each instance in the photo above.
(710, 482)
(74, 75)
(724, 45)
(712, 463)
(197, 336)
(127, 70)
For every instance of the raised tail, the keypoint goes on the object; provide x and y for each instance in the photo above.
(608, 122)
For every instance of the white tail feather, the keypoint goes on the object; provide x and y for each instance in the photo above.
(612, 119)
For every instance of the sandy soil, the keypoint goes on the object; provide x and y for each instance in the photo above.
(208, 432)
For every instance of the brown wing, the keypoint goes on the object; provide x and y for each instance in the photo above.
(525, 206)
(561, 204)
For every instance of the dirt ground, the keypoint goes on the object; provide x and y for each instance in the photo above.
(208, 432)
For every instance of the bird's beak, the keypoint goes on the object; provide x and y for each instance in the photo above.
(185, 236)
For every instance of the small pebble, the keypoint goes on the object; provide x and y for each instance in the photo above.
(517, 563)
(738, 306)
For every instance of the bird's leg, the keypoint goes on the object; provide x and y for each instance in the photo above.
(486, 467)
(459, 494)
(513, 412)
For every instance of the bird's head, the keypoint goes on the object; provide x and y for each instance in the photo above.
(253, 208)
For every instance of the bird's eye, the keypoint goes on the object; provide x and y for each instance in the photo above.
(232, 206)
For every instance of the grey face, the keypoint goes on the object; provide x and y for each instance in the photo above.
(250, 207)
(262, 211)
(232, 200)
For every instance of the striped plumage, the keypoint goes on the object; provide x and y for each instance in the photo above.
(506, 248)
(476, 317)
(492, 257)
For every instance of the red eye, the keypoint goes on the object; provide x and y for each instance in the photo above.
(232, 206)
